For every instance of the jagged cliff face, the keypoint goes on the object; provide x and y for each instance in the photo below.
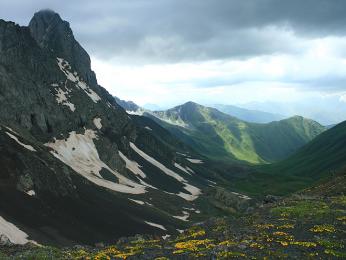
(53, 89)
(56, 36)
(74, 166)
(43, 97)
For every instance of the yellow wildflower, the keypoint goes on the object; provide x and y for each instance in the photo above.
(323, 228)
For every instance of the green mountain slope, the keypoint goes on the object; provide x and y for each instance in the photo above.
(325, 153)
(319, 159)
(223, 137)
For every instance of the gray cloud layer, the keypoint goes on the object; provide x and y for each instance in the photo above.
(179, 30)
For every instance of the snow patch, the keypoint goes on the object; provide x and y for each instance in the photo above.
(138, 201)
(137, 112)
(166, 236)
(196, 161)
(8, 128)
(148, 128)
(26, 146)
(66, 69)
(13, 233)
(156, 163)
(189, 169)
(61, 98)
(146, 184)
(182, 168)
(31, 193)
(79, 152)
(184, 217)
(97, 123)
(191, 209)
(195, 192)
(132, 166)
(171, 121)
(241, 196)
(155, 225)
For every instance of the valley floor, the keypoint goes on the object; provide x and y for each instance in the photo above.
(307, 225)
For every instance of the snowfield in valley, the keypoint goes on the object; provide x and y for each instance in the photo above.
(155, 225)
(184, 217)
(182, 168)
(79, 152)
(194, 191)
(133, 166)
(26, 146)
(138, 201)
(13, 233)
(196, 161)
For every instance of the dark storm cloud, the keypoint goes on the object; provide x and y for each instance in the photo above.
(180, 30)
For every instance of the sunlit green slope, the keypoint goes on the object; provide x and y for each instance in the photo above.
(223, 137)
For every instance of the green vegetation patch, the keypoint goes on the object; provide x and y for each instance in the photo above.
(304, 209)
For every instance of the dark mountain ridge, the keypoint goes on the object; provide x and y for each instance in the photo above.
(76, 168)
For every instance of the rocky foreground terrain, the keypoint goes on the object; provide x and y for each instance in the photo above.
(307, 225)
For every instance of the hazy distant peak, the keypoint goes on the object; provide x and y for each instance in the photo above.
(46, 14)
(249, 115)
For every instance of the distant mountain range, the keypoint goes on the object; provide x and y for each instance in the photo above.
(249, 115)
(254, 116)
(218, 135)
(327, 111)
(303, 151)
(152, 107)
(223, 137)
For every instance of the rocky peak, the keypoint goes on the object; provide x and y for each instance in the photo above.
(190, 103)
(10, 34)
(127, 105)
(189, 110)
(54, 34)
(41, 21)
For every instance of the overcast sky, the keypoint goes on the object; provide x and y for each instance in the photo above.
(210, 51)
